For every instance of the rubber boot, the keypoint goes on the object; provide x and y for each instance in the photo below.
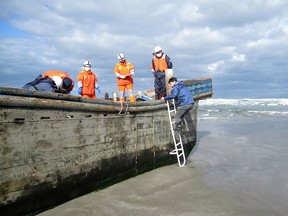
(132, 98)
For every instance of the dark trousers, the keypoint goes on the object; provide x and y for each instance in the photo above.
(180, 113)
(159, 83)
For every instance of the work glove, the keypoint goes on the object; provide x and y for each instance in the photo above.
(132, 72)
(97, 88)
(80, 91)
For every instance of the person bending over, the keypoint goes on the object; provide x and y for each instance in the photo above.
(52, 81)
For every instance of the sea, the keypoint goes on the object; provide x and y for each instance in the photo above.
(238, 167)
(228, 108)
(243, 145)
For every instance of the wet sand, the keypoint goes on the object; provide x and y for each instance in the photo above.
(239, 167)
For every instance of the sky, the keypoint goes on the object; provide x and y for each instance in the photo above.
(241, 45)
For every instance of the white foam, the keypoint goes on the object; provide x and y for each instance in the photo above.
(244, 107)
(210, 118)
(251, 102)
(274, 112)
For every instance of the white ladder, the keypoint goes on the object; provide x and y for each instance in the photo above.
(178, 151)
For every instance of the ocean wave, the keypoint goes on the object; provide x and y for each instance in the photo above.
(270, 112)
(210, 118)
(227, 108)
(247, 102)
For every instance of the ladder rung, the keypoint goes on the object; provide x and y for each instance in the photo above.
(173, 152)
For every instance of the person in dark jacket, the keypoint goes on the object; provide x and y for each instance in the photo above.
(160, 63)
(52, 81)
(183, 98)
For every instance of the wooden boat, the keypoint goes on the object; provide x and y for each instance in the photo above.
(56, 147)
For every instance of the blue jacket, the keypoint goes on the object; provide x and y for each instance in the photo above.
(42, 84)
(181, 94)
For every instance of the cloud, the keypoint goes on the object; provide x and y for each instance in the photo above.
(242, 45)
(239, 57)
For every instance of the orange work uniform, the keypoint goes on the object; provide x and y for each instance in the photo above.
(124, 69)
(87, 80)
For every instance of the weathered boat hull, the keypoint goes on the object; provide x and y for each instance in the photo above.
(56, 147)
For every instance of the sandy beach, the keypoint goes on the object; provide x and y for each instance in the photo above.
(169, 191)
(239, 167)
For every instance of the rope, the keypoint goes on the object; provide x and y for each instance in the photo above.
(122, 108)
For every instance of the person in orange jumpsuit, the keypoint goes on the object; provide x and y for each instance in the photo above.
(160, 63)
(124, 72)
(52, 81)
(87, 82)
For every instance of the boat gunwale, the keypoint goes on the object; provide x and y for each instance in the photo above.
(16, 97)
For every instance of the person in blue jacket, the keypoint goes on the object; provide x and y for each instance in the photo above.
(52, 81)
(183, 98)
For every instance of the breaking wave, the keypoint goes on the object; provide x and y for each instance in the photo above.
(227, 108)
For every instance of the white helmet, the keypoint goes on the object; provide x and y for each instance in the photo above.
(157, 49)
(121, 57)
(87, 63)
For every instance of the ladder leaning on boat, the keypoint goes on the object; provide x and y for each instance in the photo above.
(179, 150)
